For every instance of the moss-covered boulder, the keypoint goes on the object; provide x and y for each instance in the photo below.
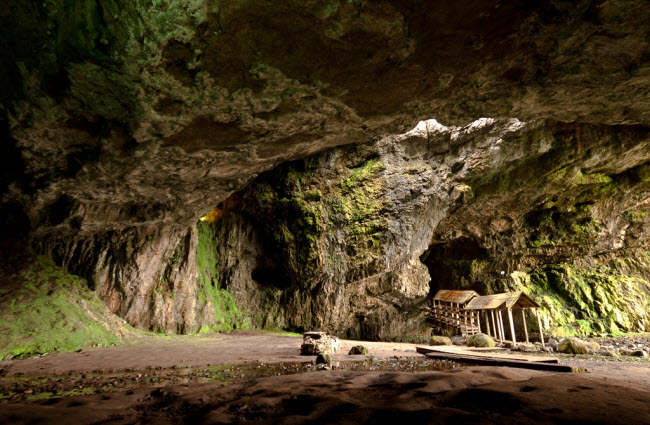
(324, 358)
(480, 340)
(439, 340)
(358, 350)
(573, 346)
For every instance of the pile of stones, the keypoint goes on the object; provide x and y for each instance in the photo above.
(634, 346)
(323, 346)
(611, 347)
(315, 343)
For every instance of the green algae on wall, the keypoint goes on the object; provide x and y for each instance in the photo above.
(357, 209)
(586, 300)
(227, 315)
(52, 311)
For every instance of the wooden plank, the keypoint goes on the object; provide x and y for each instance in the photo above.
(454, 296)
(503, 300)
(465, 351)
(486, 361)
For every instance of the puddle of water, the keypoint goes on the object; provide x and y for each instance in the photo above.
(48, 387)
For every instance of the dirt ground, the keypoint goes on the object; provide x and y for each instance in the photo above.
(255, 377)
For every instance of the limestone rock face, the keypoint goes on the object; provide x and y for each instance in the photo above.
(339, 240)
(124, 122)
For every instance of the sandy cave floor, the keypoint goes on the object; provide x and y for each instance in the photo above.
(258, 377)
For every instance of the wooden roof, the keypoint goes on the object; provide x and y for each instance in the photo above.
(506, 300)
(451, 296)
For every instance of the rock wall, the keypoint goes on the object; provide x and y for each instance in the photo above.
(123, 122)
(339, 241)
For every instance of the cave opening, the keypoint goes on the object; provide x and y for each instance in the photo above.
(460, 263)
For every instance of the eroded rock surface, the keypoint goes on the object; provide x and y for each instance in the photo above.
(123, 122)
(340, 241)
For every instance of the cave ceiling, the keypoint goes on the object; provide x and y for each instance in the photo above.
(126, 113)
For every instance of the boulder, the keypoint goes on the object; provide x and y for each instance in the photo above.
(526, 348)
(324, 358)
(592, 346)
(572, 345)
(607, 352)
(358, 350)
(439, 340)
(457, 340)
(553, 344)
(480, 340)
(319, 342)
(639, 353)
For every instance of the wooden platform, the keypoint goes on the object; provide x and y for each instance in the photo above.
(463, 355)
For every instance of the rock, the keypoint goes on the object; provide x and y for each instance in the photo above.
(319, 342)
(607, 352)
(572, 345)
(480, 340)
(527, 348)
(358, 350)
(592, 347)
(439, 340)
(457, 340)
(112, 167)
(639, 353)
(324, 358)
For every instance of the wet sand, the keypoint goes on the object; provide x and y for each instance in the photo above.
(611, 393)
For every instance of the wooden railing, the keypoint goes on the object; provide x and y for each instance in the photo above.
(466, 322)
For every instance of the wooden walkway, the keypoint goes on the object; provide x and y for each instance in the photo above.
(463, 355)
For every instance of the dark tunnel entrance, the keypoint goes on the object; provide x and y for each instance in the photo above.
(461, 263)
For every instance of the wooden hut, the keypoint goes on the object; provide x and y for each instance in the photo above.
(493, 306)
(448, 312)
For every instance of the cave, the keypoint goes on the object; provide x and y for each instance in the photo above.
(188, 186)
(450, 264)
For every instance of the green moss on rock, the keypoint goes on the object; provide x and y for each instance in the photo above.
(439, 340)
(573, 346)
(53, 311)
(589, 300)
(227, 315)
(480, 340)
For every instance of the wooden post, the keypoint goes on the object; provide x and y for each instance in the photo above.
(523, 317)
(487, 322)
(494, 326)
(496, 314)
(512, 327)
(464, 313)
(478, 321)
(501, 327)
(539, 322)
